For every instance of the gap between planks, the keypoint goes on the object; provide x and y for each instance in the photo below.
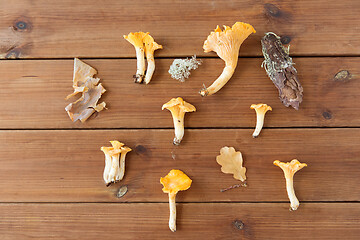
(169, 128)
(210, 202)
(176, 57)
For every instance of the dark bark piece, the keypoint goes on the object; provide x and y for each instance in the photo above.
(279, 67)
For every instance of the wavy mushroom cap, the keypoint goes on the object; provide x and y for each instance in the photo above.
(125, 149)
(136, 38)
(150, 44)
(116, 144)
(290, 168)
(110, 151)
(115, 149)
(227, 43)
(180, 103)
(175, 181)
(261, 107)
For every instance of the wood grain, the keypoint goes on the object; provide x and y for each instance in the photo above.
(67, 165)
(33, 92)
(194, 221)
(83, 28)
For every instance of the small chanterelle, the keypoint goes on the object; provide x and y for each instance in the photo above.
(178, 107)
(290, 168)
(226, 44)
(114, 162)
(143, 42)
(175, 181)
(260, 109)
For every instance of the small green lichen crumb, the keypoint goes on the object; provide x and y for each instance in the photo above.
(180, 68)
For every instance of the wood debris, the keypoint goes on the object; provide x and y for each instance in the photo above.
(280, 68)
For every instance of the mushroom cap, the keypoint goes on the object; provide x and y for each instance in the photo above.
(290, 168)
(125, 149)
(227, 43)
(175, 181)
(180, 103)
(116, 144)
(150, 44)
(115, 149)
(261, 106)
(136, 38)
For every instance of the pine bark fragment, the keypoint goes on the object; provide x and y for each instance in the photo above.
(280, 68)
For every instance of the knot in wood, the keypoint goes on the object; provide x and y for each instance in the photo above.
(238, 224)
(22, 25)
(285, 39)
(272, 10)
(140, 149)
(327, 115)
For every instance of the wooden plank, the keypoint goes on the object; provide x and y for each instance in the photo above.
(67, 165)
(62, 29)
(200, 221)
(33, 94)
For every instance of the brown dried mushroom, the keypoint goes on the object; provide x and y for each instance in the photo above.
(85, 83)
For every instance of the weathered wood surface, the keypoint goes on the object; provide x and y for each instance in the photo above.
(195, 221)
(67, 165)
(33, 92)
(51, 183)
(65, 29)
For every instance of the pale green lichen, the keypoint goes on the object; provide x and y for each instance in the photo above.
(180, 68)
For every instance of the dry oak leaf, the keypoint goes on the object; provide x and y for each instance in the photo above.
(231, 162)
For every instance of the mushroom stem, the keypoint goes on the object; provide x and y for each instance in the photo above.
(220, 81)
(107, 168)
(259, 123)
(150, 67)
(294, 202)
(114, 171)
(138, 78)
(178, 119)
(172, 206)
(122, 165)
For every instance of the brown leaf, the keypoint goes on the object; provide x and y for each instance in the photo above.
(231, 162)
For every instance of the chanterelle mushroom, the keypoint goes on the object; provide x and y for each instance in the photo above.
(150, 47)
(91, 89)
(226, 44)
(178, 107)
(290, 168)
(114, 169)
(143, 42)
(175, 181)
(260, 109)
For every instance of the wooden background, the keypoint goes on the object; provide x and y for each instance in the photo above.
(51, 183)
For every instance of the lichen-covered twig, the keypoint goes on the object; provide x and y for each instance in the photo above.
(279, 67)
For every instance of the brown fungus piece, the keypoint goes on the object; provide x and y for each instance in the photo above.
(91, 90)
(280, 68)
